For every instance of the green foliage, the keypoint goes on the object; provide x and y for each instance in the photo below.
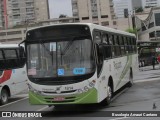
(62, 16)
(140, 9)
(131, 30)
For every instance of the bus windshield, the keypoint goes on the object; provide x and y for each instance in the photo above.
(70, 56)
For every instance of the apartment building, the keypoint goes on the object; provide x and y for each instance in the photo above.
(18, 35)
(95, 11)
(120, 5)
(17, 12)
(150, 3)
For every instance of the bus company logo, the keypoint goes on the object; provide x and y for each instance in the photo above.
(6, 114)
(58, 89)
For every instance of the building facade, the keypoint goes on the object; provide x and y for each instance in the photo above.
(18, 35)
(150, 3)
(149, 28)
(120, 5)
(95, 11)
(18, 12)
(130, 5)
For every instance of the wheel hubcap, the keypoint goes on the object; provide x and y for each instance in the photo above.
(4, 97)
(109, 92)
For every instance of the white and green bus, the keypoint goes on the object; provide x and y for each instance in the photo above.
(78, 63)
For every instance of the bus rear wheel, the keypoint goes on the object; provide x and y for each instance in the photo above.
(4, 97)
(130, 79)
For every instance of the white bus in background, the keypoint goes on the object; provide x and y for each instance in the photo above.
(13, 76)
(78, 63)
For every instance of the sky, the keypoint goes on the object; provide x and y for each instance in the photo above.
(58, 7)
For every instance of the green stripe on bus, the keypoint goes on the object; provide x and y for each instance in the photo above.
(126, 68)
(83, 98)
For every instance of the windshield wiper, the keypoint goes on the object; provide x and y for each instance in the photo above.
(63, 52)
(41, 42)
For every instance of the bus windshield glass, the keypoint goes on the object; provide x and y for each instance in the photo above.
(71, 56)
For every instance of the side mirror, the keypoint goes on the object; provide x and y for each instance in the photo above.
(12, 58)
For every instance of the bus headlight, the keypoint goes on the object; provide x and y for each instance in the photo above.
(33, 90)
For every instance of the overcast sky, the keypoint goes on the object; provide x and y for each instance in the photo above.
(58, 7)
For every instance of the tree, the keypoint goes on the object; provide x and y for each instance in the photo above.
(131, 30)
(62, 16)
(140, 9)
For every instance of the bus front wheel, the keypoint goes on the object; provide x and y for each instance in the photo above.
(4, 97)
(108, 99)
(110, 94)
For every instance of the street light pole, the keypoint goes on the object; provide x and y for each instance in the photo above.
(5, 26)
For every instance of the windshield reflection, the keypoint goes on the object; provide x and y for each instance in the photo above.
(60, 59)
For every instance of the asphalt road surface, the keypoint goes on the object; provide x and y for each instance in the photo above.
(143, 96)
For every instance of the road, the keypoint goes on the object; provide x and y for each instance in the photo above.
(144, 95)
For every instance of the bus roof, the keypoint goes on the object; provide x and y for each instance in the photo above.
(8, 45)
(91, 25)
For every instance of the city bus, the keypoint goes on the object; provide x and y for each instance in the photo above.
(13, 76)
(78, 63)
(146, 49)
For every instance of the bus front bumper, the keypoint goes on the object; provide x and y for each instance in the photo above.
(88, 97)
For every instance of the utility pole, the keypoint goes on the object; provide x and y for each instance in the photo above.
(5, 26)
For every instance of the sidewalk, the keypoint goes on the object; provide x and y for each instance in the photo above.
(146, 68)
(147, 72)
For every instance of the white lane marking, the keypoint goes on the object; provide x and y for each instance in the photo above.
(42, 108)
(122, 118)
(13, 102)
(147, 80)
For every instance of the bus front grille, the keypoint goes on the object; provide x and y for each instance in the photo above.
(71, 91)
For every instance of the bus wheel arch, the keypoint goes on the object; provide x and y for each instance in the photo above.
(5, 94)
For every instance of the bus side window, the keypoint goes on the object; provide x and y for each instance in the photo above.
(108, 51)
(1, 55)
(121, 43)
(117, 47)
(97, 37)
(105, 38)
(125, 44)
(111, 43)
(107, 46)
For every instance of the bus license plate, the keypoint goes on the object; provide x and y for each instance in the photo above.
(59, 99)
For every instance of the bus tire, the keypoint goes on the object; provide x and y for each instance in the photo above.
(4, 96)
(108, 99)
(130, 83)
(110, 95)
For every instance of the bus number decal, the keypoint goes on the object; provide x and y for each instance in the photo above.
(6, 76)
(79, 71)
